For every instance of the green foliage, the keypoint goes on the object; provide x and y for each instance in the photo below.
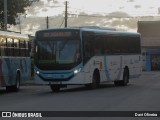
(13, 8)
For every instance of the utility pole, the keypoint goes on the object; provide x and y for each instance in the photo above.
(20, 23)
(5, 15)
(47, 22)
(66, 13)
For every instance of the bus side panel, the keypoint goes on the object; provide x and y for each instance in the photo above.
(3, 72)
(110, 67)
(9, 68)
(114, 66)
(6, 72)
(134, 64)
(77, 79)
(84, 77)
(86, 74)
(25, 68)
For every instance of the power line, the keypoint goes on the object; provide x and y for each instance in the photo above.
(103, 14)
(111, 16)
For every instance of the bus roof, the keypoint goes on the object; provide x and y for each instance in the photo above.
(114, 33)
(13, 35)
(96, 27)
(97, 30)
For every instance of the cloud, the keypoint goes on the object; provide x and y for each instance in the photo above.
(118, 14)
(34, 8)
(43, 6)
(30, 25)
(117, 19)
(137, 6)
(130, 0)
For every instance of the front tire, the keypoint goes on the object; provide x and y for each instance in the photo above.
(55, 88)
(95, 80)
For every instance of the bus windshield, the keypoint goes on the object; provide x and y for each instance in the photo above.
(58, 53)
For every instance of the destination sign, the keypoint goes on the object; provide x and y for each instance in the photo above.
(49, 34)
(57, 34)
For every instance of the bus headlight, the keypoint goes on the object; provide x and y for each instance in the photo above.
(77, 70)
(37, 72)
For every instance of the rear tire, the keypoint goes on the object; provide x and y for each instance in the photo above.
(16, 87)
(125, 80)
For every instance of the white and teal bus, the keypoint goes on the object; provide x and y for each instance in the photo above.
(77, 56)
(14, 60)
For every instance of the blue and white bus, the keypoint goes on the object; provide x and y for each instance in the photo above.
(77, 56)
(14, 60)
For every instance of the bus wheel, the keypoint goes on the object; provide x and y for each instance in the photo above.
(117, 83)
(15, 87)
(95, 80)
(125, 80)
(55, 88)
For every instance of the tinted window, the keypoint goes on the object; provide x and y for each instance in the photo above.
(98, 45)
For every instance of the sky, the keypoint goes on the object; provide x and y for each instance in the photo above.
(120, 14)
(131, 7)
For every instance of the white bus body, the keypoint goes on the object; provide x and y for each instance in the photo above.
(93, 68)
(15, 66)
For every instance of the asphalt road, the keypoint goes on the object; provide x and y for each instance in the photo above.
(142, 94)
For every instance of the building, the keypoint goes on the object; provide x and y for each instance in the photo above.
(150, 41)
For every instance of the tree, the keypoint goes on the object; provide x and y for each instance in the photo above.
(13, 8)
